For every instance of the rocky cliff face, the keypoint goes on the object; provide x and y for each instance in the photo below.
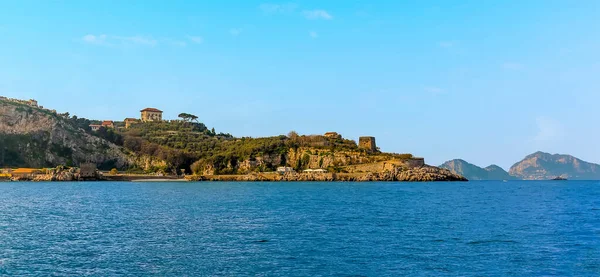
(418, 174)
(306, 157)
(473, 172)
(33, 137)
(544, 166)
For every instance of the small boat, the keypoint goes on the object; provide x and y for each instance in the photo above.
(559, 178)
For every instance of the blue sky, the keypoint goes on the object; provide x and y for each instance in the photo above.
(486, 81)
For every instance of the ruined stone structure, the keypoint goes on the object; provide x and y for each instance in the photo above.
(415, 162)
(151, 114)
(367, 143)
(87, 170)
(129, 122)
(333, 135)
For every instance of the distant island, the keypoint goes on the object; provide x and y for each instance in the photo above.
(537, 166)
(44, 145)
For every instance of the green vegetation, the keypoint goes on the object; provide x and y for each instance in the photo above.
(191, 146)
(173, 146)
(20, 150)
(82, 123)
(110, 135)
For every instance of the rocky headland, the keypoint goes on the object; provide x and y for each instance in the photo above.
(50, 146)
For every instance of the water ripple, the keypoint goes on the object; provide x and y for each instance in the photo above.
(299, 229)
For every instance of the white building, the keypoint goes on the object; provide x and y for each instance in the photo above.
(285, 169)
(319, 170)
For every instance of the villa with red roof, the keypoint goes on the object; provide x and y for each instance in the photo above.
(151, 114)
(108, 124)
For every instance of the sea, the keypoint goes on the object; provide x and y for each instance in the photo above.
(479, 228)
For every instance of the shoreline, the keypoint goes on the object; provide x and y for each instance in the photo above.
(420, 174)
(327, 177)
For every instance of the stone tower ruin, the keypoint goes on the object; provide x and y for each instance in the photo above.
(367, 143)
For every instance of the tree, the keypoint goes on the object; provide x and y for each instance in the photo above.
(184, 116)
(188, 117)
(114, 171)
(292, 135)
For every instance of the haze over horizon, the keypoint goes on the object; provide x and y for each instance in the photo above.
(485, 82)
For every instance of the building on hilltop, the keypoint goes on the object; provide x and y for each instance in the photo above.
(151, 114)
(129, 122)
(367, 143)
(32, 103)
(108, 124)
(95, 127)
(333, 135)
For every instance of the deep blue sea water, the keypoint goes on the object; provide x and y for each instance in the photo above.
(300, 229)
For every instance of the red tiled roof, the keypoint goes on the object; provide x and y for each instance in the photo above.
(151, 110)
(107, 122)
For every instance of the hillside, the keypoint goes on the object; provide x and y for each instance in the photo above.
(37, 137)
(191, 146)
(473, 172)
(544, 166)
(498, 173)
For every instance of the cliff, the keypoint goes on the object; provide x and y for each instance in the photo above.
(473, 172)
(36, 137)
(545, 166)
(341, 161)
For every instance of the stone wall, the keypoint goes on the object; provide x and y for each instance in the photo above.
(415, 162)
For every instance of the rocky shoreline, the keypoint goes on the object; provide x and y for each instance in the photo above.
(418, 174)
(58, 175)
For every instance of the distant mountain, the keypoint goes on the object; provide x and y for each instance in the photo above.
(473, 172)
(498, 173)
(545, 166)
